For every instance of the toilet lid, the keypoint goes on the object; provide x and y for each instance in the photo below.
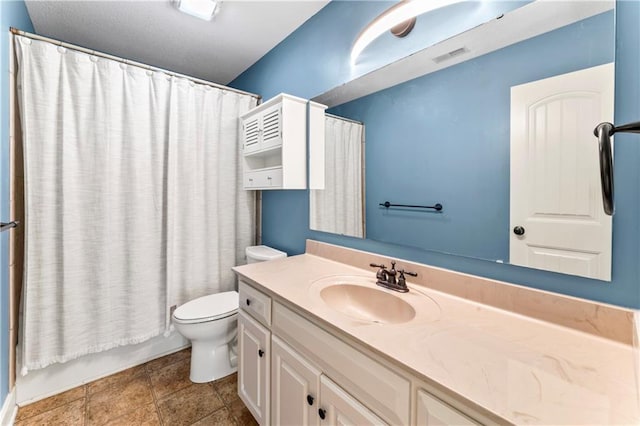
(208, 307)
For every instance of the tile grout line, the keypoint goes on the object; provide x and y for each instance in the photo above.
(148, 379)
(148, 372)
(153, 394)
(86, 405)
(225, 405)
(150, 386)
(50, 409)
(211, 413)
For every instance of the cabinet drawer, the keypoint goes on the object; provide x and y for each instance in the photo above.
(376, 386)
(255, 302)
(263, 179)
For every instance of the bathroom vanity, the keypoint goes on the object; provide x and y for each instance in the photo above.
(320, 343)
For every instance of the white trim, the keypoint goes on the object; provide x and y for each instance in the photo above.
(9, 409)
(57, 378)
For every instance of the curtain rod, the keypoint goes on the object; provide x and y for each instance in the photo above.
(344, 118)
(128, 62)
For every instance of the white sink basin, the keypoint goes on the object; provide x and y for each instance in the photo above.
(358, 297)
(367, 303)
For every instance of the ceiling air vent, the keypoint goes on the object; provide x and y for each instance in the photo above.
(450, 55)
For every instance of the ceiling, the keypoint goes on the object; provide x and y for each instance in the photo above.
(155, 33)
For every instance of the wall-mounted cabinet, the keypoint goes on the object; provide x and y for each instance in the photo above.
(274, 144)
(316, 145)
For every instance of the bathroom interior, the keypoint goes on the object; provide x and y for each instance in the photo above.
(416, 212)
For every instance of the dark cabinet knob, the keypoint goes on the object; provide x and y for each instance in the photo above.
(260, 353)
(518, 230)
(309, 400)
(322, 413)
(248, 302)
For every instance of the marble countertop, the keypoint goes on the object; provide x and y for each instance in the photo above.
(524, 370)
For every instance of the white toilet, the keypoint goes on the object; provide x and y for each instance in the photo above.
(210, 322)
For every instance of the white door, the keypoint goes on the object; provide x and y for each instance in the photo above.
(253, 367)
(295, 387)
(556, 199)
(339, 408)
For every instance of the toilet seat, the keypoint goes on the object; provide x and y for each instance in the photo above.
(208, 308)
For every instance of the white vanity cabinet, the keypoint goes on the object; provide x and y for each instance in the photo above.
(253, 366)
(430, 411)
(292, 371)
(274, 144)
(302, 396)
(295, 387)
(340, 408)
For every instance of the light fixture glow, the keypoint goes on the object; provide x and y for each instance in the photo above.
(203, 9)
(397, 14)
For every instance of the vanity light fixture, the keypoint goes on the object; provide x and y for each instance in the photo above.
(400, 15)
(203, 9)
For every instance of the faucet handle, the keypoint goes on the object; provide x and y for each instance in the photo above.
(402, 280)
(375, 265)
(381, 275)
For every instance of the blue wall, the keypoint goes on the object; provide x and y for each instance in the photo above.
(12, 14)
(464, 163)
(314, 59)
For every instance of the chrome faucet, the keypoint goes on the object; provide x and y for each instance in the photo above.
(387, 277)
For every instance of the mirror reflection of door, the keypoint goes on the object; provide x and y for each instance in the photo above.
(338, 208)
(557, 221)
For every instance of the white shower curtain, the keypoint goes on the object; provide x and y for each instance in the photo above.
(107, 151)
(211, 218)
(338, 208)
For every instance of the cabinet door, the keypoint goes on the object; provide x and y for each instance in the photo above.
(251, 134)
(295, 386)
(271, 129)
(433, 412)
(339, 408)
(253, 367)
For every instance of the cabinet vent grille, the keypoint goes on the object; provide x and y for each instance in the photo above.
(271, 125)
(251, 132)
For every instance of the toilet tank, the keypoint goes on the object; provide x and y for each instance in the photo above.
(262, 253)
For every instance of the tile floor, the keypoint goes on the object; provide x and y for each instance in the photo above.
(156, 393)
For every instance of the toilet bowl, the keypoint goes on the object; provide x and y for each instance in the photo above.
(210, 324)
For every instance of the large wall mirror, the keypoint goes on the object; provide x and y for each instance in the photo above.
(339, 207)
(457, 131)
